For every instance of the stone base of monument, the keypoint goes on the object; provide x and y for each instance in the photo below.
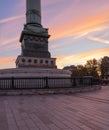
(34, 72)
(35, 62)
(34, 78)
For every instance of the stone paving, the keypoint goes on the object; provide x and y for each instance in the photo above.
(82, 111)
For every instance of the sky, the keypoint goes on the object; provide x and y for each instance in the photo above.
(79, 30)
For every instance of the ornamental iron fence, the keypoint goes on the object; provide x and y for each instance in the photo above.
(46, 82)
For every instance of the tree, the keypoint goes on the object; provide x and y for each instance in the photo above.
(77, 71)
(82, 70)
(91, 67)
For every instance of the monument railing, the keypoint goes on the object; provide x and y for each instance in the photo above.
(46, 82)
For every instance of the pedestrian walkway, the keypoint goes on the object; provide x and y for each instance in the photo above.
(82, 111)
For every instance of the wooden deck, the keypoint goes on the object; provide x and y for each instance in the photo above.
(85, 111)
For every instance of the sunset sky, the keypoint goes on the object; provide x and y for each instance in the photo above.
(79, 30)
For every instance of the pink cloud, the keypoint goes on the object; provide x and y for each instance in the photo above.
(9, 41)
(79, 26)
(11, 19)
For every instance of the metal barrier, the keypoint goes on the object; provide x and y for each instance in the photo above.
(45, 82)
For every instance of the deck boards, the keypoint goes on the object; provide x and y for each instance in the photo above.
(82, 111)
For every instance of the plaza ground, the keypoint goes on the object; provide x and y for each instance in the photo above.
(82, 111)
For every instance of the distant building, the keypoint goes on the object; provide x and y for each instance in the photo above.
(71, 68)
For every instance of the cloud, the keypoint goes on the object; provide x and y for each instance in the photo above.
(81, 26)
(11, 19)
(11, 32)
(81, 58)
(97, 39)
(6, 60)
(9, 41)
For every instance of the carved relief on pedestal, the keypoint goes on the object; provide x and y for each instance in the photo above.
(36, 39)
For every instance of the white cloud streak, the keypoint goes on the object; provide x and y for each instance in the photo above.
(11, 19)
(97, 39)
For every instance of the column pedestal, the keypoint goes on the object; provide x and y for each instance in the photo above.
(23, 61)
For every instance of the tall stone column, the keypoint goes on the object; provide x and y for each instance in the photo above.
(34, 40)
(33, 12)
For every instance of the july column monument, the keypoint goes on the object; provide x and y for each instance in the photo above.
(35, 59)
(34, 40)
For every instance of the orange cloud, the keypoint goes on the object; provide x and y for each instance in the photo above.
(80, 26)
(6, 60)
(81, 58)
